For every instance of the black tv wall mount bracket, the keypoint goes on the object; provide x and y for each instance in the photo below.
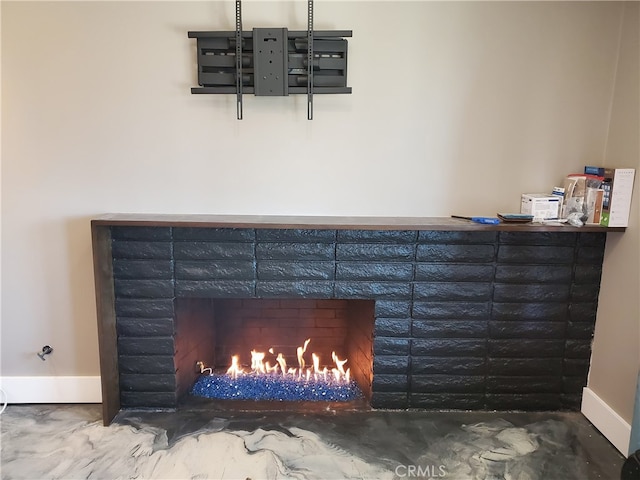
(272, 61)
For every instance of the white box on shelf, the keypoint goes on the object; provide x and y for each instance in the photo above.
(618, 187)
(541, 205)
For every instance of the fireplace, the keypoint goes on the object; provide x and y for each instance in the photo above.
(460, 316)
(212, 331)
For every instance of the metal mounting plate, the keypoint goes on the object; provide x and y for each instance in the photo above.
(270, 61)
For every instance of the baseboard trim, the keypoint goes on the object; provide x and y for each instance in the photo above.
(605, 419)
(52, 389)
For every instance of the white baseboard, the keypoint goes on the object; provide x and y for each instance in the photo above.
(52, 389)
(605, 419)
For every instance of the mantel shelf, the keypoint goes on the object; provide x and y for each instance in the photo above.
(330, 222)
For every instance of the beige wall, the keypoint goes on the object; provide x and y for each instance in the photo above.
(615, 361)
(460, 108)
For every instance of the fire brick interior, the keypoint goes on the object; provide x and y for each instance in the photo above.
(211, 331)
(479, 319)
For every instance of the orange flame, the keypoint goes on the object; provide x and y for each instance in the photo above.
(260, 367)
(235, 369)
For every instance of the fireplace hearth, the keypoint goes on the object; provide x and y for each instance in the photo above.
(448, 315)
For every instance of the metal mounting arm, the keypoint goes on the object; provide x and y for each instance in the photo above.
(310, 60)
(239, 59)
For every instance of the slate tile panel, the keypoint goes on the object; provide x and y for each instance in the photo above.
(295, 235)
(392, 272)
(213, 251)
(377, 236)
(295, 270)
(222, 235)
(477, 319)
(449, 329)
(437, 253)
(448, 365)
(392, 327)
(131, 269)
(447, 272)
(215, 270)
(535, 254)
(150, 234)
(448, 310)
(453, 291)
(527, 274)
(447, 384)
(295, 289)
(375, 252)
(452, 401)
(456, 237)
(141, 250)
(144, 288)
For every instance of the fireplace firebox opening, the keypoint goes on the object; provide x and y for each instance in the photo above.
(212, 331)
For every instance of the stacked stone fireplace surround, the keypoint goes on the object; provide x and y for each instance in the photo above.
(464, 316)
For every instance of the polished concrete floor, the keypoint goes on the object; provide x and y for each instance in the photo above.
(69, 442)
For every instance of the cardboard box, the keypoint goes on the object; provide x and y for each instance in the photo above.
(593, 203)
(541, 205)
(618, 190)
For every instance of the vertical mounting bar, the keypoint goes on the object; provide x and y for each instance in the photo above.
(239, 59)
(310, 60)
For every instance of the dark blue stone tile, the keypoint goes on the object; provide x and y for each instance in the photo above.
(455, 253)
(453, 237)
(390, 383)
(145, 346)
(449, 401)
(398, 364)
(384, 236)
(509, 292)
(393, 308)
(147, 383)
(525, 366)
(148, 399)
(447, 384)
(152, 234)
(142, 269)
(295, 289)
(296, 235)
(373, 290)
(223, 235)
(457, 310)
(522, 329)
(213, 251)
(535, 254)
(453, 291)
(557, 274)
(144, 327)
(392, 327)
(215, 288)
(446, 272)
(295, 251)
(215, 270)
(375, 252)
(548, 312)
(539, 238)
(531, 348)
(448, 365)
(141, 250)
(144, 288)
(146, 308)
(524, 384)
(449, 347)
(374, 271)
(449, 328)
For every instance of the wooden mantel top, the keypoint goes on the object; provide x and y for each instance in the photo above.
(329, 222)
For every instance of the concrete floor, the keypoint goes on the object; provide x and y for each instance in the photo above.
(69, 441)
